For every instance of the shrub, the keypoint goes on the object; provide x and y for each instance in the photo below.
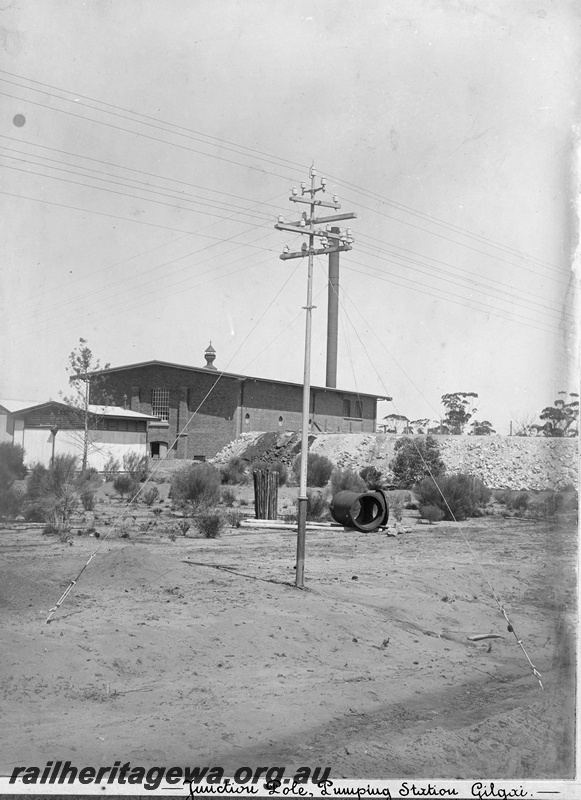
(457, 496)
(396, 507)
(136, 466)
(52, 494)
(276, 466)
(12, 469)
(209, 525)
(123, 484)
(228, 497)
(197, 485)
(520, 502)
(502, 497)
(111, 468)
(317, 505)
(346, 480)
(235, 472)
(11, 465)
(62, 470)
(232, 518)
(88, 499)
(183, 526)
(372, 477)
(416, 458)
(319, 470)
(11, 502)
(150, 495)
(431, 513)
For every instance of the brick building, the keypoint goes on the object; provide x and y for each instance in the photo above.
(200, 410)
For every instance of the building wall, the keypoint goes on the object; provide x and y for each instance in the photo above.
(271, 407)
(38, 445)
(5, 435)
(216, 413)
(209, 410)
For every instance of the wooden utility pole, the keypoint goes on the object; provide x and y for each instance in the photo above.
(332, 241)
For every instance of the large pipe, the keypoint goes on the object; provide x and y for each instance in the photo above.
(332, 318)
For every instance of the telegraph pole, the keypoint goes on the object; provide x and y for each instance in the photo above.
(332, 241)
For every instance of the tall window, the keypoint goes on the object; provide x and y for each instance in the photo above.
(346, 407)
(160, 403)
(358, 409)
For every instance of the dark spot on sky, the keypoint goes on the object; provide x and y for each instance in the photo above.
(19, 120)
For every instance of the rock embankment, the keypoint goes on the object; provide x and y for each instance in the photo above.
(502, 462)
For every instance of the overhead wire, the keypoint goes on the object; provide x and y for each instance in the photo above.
(106, 288)
(279, 160)
(464, 282)
(448, 297)
(383, 246)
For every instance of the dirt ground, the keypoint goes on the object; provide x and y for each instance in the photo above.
(185, 651)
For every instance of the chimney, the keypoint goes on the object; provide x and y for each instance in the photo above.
(210, 356)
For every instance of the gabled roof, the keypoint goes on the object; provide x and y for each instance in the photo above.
(20, 407)
(12, 406)
(217, 375)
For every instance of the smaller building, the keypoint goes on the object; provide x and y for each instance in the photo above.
(52, 428)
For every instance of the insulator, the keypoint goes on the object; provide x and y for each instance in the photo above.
(348, 232)
(294, 191)
(302, 223)
(335, 198)
(303, 185)
(280, 219)
(286, 249)
(323, 181)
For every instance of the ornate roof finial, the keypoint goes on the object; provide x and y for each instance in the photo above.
(210, 356)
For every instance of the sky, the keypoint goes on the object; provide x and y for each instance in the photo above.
(147, 149)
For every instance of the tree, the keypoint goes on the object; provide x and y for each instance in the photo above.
(397, 423)
(524, 425)
(459, 411)
(86, 387)
(562, 418)
(483, 428)
(420, 425)
(414, 459)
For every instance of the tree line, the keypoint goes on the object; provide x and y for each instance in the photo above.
(561, 420)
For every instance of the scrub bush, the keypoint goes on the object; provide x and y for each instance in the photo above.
(123, 484)
(209, 525)
(151, 495)
(458, 496)
(317, 506)
(346, 480)
(431, 513)
(319, 470)
(111, 469)
(197, 486)
(228, 496)
(11, 469)
(136, 466)
(372, 477)
(235, 472)
(414, 459)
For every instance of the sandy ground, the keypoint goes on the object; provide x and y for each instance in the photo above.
(202, 652)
